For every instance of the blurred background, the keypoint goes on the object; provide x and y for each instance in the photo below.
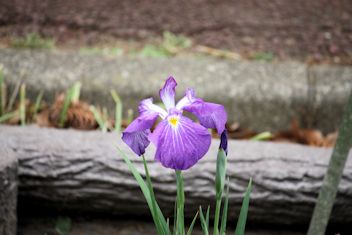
(281, 68)
(308, 31)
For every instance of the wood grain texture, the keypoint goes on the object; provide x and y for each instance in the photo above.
(8, 191)
(82, 171)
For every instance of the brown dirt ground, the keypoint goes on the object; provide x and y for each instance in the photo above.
(313, 31)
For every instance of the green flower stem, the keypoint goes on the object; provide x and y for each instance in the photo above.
(180, 224)
(217, 216)
(219, 186)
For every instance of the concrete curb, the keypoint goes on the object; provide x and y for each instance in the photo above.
(262, 96)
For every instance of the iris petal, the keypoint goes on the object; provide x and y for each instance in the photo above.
(182, 145)
(210, 115)
(146, 106)
(136, 134)
(167, 93)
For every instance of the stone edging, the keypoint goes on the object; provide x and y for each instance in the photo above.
(262, 96)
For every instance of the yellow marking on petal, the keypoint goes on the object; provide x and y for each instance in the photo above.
(173, 121)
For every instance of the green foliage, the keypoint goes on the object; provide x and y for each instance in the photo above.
(242, 219)
(203, 222)
(101, 118)
(38, 102)
(118, 111)
(7, 116)
(190, 229)
(103, 51)
(33, 41)
(2, 92)
(262, 136)
(22, 108)
(63, 225)
(161, 225)
(263, 56)
(72, 95)
(172, 42)
(170, 45)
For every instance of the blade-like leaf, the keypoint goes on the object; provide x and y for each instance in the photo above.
(207, 217)
(7, 116)
(76, 90)
(38, 102)
(262, 136)
(118, 110)
(175, 216)
(190, 229)
(224, 210)
(98, 118)
(241, 223)
(203, 222)
(65, 106)
(2, 92)
(22, 108)
(153, 200)
(144, 188)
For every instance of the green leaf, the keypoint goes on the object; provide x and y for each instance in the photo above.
(63, 225)
(76, 91)
(99, 118)
(144, 188)
(7, 116)
(241, 223)
(66, 105)
(262, 136)
(152, 198)
(175, 217)
(203, 222)
(207, 217)
(118, 111)
(22, 108)
(2, 92)
(190, 229)
(38, 102)
(224, 210)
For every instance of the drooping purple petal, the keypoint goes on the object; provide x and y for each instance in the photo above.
(180, 142)
(223, 141)
(210, 115)
(167, 93)
(136, 134)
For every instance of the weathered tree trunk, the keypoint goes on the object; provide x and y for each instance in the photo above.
(8, 191)
(82, 171)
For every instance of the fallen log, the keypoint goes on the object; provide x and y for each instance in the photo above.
(82, 171)
(8, 191)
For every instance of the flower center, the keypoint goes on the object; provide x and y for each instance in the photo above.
(173, 121)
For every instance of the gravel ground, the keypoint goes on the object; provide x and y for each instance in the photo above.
(317, 30)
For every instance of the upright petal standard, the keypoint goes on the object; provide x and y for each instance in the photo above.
(180, 142)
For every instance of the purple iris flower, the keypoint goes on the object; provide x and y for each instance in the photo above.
(180, 142)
